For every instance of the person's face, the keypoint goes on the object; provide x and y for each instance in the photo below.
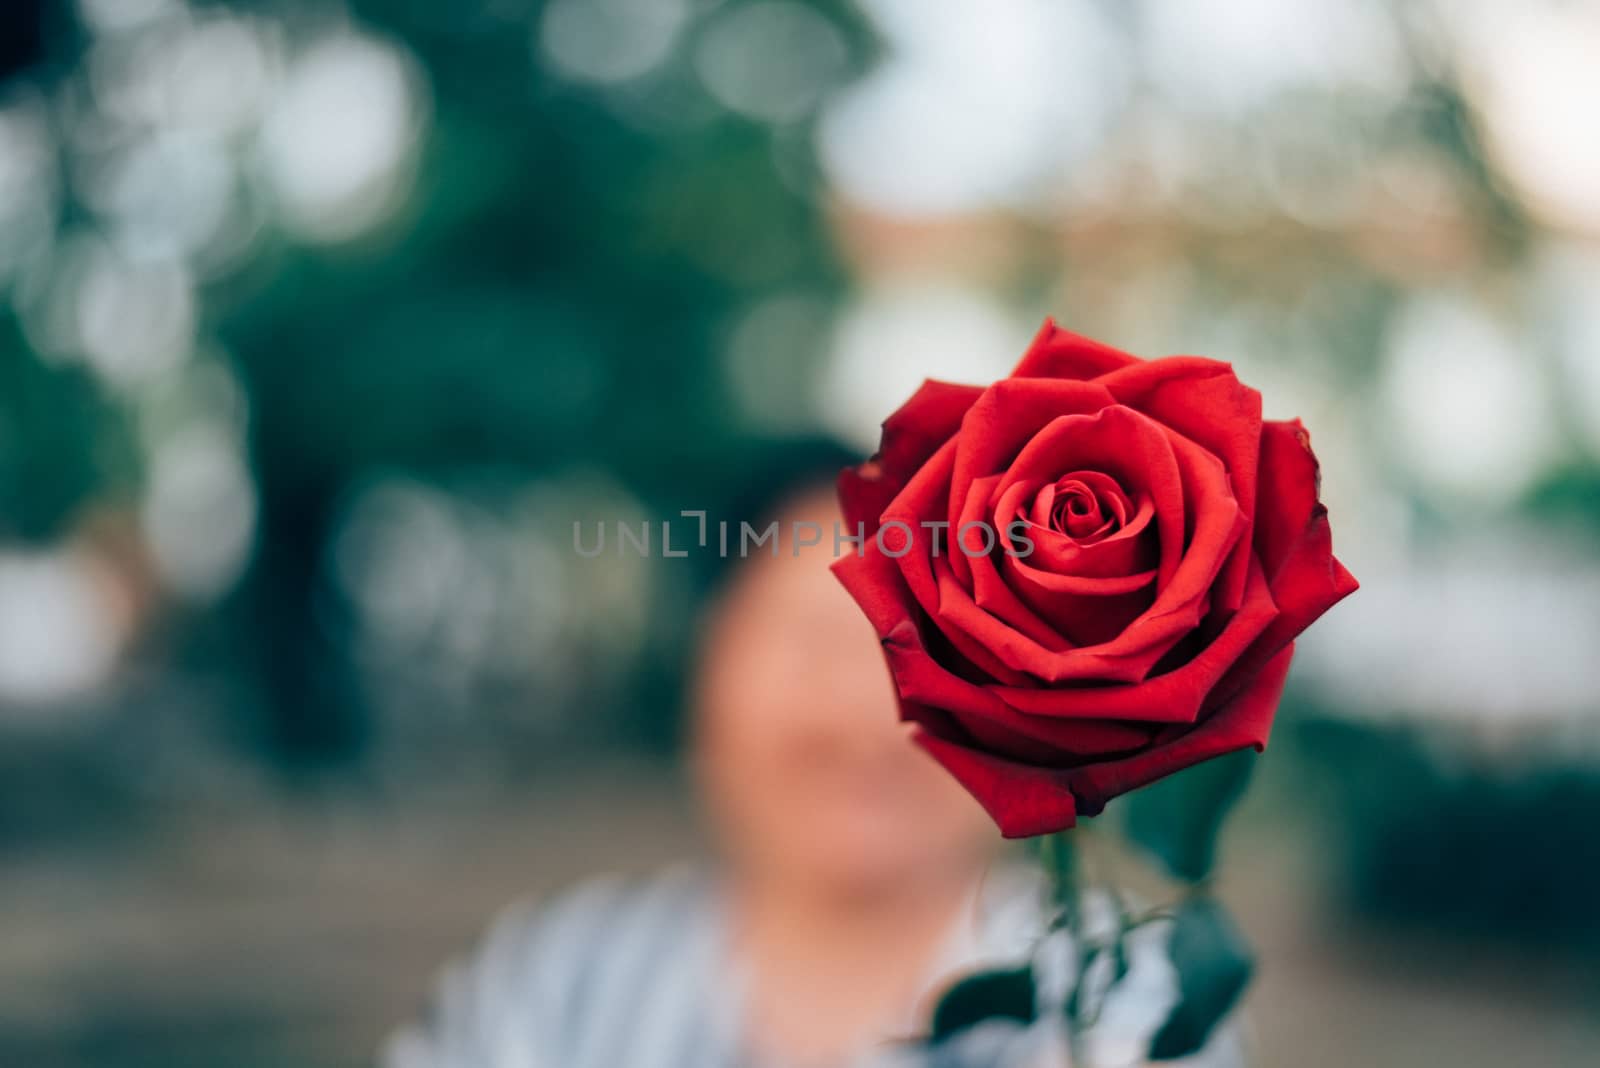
(806, 769)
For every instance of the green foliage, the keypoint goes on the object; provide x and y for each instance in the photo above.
(556, 296)
(1214, 965)
(63, 442)
(997, 995)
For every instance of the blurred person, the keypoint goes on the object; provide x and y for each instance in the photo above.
(855, 879)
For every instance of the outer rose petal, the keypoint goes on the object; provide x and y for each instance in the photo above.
(1175, 697)
(922, 424)
(1293, 541)
(919, 499)
(1243, 720)
(864, 492)
(883, 596)
(1023, 799)
(1058, 353)
(1033, 739)
(1289, 481)
(1027, 799)
(910, 436)
(881, 592)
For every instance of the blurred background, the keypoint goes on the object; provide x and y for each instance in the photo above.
(321, 323)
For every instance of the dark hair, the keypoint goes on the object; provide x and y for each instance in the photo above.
(779, 470)
(750, 487)
(773, 473)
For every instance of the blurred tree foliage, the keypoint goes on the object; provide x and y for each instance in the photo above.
(555, 292)
(62, 441)
(556, 296)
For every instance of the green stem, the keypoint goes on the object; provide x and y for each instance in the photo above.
(1058, 856)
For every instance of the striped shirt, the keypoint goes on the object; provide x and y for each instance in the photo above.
(640, 975)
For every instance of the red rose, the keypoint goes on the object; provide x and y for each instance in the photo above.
(1089, 575)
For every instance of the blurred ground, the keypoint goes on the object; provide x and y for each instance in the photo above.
(300, 934)
(276, 935)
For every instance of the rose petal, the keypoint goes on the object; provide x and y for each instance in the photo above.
(1124, 553)
(922, 424)
(1027, 799)
(1024, 800)
(1133, 548)
(880, 589)
(1125, 446)
(1244, 721)
(910, 437)
(988, 592)
(1183, 478)
(1121, 552)
(1135, 452)
(1000, 422)
(991, 615)
(959, 614)
(1080, 504)
(1205, 402)
(1033, 739)
(864, 492)
(1293, 540)
(1059, 742)
(1058, 353)
(1088, 610)
(916, 565)
(1004, 638)
(1214, 525)
(1113, 634)
(1289, 477)
(1175, 696)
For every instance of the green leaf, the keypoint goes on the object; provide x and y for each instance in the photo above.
(1214, 965)
(1179, 818)
(1005, 995)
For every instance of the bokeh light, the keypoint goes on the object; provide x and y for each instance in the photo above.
(607, 41)
(337, 143)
